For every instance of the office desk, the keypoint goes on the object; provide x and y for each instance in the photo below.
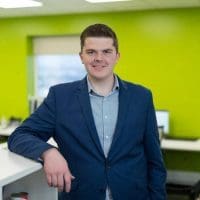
(180, 145)
(180, 177)
(7, 131)
(19, 174)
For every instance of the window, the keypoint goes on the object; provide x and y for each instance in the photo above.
(56, 60)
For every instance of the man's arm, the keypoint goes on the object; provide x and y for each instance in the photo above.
(30, 140)
(156, 168)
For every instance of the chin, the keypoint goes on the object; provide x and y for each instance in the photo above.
(99, 77)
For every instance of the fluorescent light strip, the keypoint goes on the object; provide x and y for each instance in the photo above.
(19, 3)
(104, 1)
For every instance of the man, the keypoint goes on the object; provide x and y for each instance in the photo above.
(105, 128)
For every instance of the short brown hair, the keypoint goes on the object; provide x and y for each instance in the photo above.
(99, 30)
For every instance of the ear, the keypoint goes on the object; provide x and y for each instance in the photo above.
(81, 57)
(118, 56)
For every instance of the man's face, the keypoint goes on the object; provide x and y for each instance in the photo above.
(99, 57)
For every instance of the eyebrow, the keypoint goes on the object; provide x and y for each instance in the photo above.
(100, 50)
(108, 50)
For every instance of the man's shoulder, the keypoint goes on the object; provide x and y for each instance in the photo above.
(68, 86)
(135, 87)
(137, 92)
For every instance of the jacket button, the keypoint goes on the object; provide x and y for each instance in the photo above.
(107, 165)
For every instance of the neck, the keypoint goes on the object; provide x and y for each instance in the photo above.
(102, 87)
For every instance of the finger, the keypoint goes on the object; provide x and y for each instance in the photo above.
(60, 182)
(67, 182)
(54, 180)
(48, 177)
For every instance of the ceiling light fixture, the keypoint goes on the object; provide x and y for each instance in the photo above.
(104, 1)
(19, 3)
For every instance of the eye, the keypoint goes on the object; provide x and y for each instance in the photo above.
(90, 52)
(107, 51)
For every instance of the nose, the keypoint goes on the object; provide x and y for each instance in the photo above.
(98, 57)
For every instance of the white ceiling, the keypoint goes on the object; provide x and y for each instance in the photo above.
(54, 7)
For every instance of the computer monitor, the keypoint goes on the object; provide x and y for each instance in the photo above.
(162, 117)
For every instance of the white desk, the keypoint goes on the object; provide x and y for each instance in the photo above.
(7, 131)
(181, 145)
(19, 174)
(177, 176)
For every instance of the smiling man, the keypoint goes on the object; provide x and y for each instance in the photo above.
(105, 128)
(99, 57)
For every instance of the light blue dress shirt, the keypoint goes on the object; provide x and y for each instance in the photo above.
(105, 112)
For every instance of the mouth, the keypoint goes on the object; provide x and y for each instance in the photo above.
(98, 66)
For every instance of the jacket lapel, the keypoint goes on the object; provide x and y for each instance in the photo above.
(124, 101)
(84, 101)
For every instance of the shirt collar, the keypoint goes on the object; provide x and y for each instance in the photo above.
(115, 86)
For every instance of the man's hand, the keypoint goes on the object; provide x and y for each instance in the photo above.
(56, 170)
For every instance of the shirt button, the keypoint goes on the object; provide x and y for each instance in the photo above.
(106, 116)
(107, 136)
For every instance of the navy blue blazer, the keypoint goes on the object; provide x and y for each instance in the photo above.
(134, 168)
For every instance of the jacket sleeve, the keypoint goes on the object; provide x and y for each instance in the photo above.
(30, 139)
(156, 168)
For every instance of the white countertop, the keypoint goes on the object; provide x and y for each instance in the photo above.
(13, 167)
(182, 145)
(8, 130)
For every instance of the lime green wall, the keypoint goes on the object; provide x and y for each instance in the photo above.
(159, 49)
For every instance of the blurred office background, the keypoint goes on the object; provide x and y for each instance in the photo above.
(159, 42)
